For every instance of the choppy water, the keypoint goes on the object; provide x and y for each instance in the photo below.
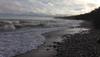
(20, 41)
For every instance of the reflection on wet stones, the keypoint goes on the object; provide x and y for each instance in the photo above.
(77, 45)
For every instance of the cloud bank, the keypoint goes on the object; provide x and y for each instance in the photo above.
(52, 7)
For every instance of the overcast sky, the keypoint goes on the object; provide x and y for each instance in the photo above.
(64, 7)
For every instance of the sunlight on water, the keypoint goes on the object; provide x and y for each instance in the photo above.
(77, 30)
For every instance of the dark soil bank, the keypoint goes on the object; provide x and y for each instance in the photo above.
(79, 45)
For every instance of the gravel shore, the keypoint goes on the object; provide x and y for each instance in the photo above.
(79, 45)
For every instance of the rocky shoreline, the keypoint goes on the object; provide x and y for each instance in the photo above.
(79, 45)
(55, 46)
(74, 37)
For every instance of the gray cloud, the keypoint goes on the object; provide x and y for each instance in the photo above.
(47, 6)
